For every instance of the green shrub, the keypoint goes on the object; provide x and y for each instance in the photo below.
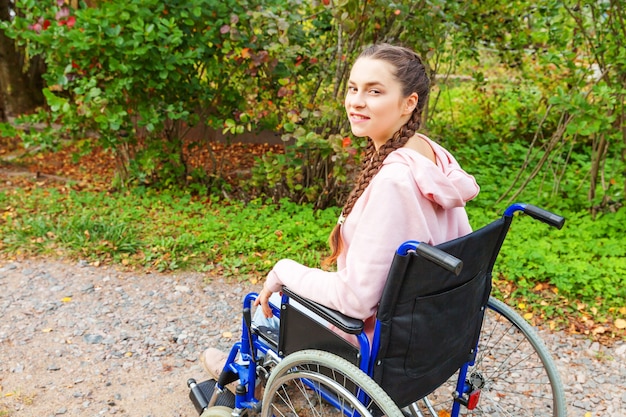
(139, 74)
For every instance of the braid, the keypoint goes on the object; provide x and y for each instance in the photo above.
(374, 160)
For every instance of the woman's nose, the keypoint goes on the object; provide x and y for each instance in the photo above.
(355, 100)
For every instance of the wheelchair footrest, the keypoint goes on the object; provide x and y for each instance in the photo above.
(201, 393)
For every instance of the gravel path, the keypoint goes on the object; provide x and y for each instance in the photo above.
(76, 340)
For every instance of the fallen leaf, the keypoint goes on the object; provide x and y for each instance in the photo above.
(66, 299)
(599, 330)
(227, 334)
(528, 316)
(46, 330)
(620, 323)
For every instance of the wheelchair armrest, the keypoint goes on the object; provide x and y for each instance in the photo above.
(345, 323)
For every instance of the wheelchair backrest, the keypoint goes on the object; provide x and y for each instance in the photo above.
(430, 318)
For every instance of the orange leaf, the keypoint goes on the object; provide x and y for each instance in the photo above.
(598, 330)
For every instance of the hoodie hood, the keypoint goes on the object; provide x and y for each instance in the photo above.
(445, 183)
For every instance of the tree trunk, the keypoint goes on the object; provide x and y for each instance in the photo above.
(3, 114)
(21, 81)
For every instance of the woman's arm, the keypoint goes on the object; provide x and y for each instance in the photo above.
(385, 216)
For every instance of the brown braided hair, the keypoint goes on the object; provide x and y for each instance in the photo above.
(411, 73)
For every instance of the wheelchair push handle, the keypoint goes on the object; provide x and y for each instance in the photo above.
(537, 213)
(433, 254)
(545, 216)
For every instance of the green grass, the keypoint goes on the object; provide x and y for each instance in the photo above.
(163, 231)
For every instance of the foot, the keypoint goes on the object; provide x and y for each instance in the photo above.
(213, 361)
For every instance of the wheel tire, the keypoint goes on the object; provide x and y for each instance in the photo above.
(306, 383)
(217, 411)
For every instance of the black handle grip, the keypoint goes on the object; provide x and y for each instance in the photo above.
(545, 216)
(441, 258)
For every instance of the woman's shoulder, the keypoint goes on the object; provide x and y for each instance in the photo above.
(423, 146)
(407, 159)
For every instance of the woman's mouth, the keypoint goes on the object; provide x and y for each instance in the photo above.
(355, 117)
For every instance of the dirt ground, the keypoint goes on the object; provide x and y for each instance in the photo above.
(77, 340)
(80, 340)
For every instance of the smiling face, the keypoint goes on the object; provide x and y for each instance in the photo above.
(374, 102)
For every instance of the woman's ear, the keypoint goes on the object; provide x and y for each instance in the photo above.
(410, 103)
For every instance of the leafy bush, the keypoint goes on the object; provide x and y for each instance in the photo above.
(480, 113)
(312, 170)
(129, 70)
(140, 74)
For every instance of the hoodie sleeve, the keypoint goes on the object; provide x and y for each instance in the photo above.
(386, 216)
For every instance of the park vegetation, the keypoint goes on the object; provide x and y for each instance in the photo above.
(529, 95)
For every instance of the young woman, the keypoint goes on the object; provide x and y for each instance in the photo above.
(410, 188)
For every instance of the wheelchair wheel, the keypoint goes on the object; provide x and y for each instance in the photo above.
(217, 411)
(513, 370)
(312, 383)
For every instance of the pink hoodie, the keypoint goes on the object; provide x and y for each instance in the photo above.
(409, 199)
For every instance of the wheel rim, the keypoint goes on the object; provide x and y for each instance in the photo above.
(317, 384)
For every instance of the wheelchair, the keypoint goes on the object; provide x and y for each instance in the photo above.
(442, 346)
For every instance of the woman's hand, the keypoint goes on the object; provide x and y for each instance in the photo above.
(263, 301)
